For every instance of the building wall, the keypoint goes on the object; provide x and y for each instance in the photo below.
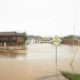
(70, 41)
(20, 40)
(11, 40)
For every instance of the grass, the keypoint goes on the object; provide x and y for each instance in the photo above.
(70, 76)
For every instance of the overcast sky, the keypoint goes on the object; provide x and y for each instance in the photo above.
(40, 17)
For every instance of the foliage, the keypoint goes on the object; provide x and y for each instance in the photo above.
(71, 37)
(70, 76)
(25, 36)
(33, 37)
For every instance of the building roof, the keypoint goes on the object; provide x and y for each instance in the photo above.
(11, 33)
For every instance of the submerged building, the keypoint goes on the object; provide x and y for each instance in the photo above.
(12, 39)
(71, 40)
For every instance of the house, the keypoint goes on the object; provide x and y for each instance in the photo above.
(12, 39)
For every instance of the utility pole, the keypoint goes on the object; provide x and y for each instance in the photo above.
(75, 52)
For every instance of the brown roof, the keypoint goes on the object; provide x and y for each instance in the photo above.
(10, 33)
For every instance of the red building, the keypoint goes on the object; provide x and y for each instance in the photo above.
(71, 41)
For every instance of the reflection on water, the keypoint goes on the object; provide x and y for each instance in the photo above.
(12, 52)
(39, 63)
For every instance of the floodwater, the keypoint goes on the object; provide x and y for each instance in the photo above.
(40, 63)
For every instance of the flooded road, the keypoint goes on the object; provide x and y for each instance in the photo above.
(39, 63)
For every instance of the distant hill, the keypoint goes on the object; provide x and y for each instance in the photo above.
(33, 37)
(37, 37)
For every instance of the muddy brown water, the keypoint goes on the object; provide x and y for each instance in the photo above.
(39, 63)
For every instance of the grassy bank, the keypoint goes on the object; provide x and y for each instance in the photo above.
(70, 76)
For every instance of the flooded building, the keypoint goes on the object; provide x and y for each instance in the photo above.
(12, 39)
(38, 41)
(71, 41)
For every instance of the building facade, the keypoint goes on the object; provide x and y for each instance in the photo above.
(12, 39)
(38, 41)
(71, 41)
